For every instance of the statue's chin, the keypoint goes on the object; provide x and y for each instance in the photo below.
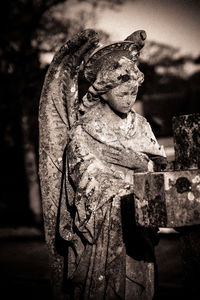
(121, 114)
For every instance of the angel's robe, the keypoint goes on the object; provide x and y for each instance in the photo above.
(107, 259)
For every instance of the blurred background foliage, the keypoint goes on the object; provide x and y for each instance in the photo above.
(30, 33)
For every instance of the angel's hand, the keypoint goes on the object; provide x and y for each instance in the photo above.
(92, 187)
(160, 162)
(127, 158)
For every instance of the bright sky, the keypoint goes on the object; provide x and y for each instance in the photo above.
(174, 22)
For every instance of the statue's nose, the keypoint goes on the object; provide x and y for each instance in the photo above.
(128, 101)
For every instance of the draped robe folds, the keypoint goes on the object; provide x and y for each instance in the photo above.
(100, 265)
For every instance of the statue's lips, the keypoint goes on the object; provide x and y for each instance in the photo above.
(126, 107)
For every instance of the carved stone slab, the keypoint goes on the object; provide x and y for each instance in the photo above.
(167, 199)
(186, 132)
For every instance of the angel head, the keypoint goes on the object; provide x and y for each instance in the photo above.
(114, 75)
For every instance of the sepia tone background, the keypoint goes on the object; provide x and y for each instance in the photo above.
(31, 31)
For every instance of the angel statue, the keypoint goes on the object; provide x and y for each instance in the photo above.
(89, 150)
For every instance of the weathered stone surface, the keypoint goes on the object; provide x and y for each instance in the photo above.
(167, 199)
(150, 208)
(186, 130)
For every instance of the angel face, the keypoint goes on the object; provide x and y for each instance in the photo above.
(122, 98)
(118, 84)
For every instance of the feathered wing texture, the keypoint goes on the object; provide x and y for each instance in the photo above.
(57, 114)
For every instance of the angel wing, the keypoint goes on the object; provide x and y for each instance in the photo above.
(57, 114)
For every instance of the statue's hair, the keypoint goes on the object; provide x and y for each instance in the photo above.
(112, 65)
(88, 101)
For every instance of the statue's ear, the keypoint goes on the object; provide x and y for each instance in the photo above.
(105, 96)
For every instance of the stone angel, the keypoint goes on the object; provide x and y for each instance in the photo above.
(89, 150)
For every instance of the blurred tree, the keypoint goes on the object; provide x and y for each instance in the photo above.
(163, 67)
(29, 28)
(167, 89)
(21, 82)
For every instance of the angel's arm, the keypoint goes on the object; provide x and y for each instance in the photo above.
(96, 187)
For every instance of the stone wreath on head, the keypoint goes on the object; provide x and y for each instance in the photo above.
(112, 65)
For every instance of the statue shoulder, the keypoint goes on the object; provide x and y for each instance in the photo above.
(141, 120)
(85, 121)
(144, 126)
(92, 115)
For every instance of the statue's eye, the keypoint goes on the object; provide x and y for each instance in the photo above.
(116, 65)
(109, 86)
(134, 91)
(124, 78)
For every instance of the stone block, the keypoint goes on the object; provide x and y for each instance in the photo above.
(167, 199)
(186, 132)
